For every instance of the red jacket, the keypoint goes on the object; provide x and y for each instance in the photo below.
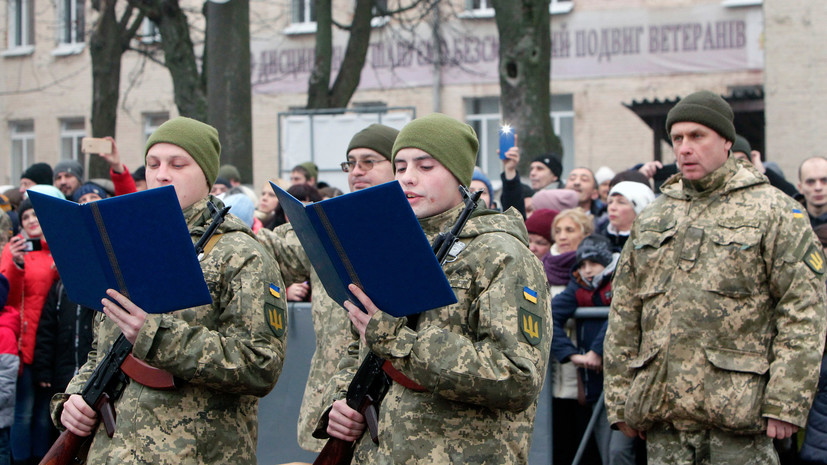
(123, 182)
(28, 289)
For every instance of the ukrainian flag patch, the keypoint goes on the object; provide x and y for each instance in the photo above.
(530, 294)
(797, 213)
(275, 291)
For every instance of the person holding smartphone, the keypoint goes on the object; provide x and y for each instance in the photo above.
(30, 269)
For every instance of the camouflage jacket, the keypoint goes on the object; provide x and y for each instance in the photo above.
(227, 353)
(481, 360)
(718, 314)
(330, 325)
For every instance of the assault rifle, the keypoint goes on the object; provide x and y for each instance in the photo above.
(108, 381)
(375, 375)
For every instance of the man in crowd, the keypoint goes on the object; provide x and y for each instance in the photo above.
(68, 177)
(581, 180)
(479, 364)
(305, 173)
(812, 183)
(38, 173)
(717, 322)
(226, 354)
(368, 164)
(544, 173)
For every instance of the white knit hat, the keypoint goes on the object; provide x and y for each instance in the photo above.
(603, 174)
(639, 194)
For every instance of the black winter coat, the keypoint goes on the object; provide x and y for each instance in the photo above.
(64, 338)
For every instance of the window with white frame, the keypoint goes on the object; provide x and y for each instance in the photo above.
(72, 22)
(379, 8)
(560, 6)
(303, 11)
(20, 24)
(72, 131)
(478, 9)
(22, 147)
(562, 122)
(483, 114)
(152, 121)
(150, 34)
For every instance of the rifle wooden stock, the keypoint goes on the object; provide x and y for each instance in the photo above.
(69, 448)
(146, 374)
(336, 452)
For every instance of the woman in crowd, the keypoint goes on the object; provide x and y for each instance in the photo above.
(28, 265)
(568, 229)
(626, 200)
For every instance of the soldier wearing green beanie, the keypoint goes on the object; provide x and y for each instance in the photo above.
(368, 164)
(377, 137)
(198, 139)
(704, 107)
(451, 142)
(226, 354)
(718, 275)
(501, 320)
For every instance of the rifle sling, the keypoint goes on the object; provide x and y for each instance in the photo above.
(403, 380)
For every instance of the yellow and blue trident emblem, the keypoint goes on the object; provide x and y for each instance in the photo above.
(531, 326)
(815, 259)
(275, 315)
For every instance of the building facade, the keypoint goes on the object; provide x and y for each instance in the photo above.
(617, 66)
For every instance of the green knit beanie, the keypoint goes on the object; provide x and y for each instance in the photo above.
(200, 140)
(704, 107)
(376, 137)
(312, 169)
(450, 142)
(741, 145)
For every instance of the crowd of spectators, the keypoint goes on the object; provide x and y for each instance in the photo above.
(577, 226)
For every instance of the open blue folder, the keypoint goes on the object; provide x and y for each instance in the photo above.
(137, 244)
(371, 238)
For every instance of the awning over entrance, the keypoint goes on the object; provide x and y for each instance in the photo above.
(748, 106)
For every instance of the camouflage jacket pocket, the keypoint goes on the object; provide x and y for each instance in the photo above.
(734, 384)
(647, 391)
(734, 262)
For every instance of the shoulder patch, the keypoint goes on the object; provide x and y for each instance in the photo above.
(530, 294)
(274, 314)
(531, 326)
(814, 258)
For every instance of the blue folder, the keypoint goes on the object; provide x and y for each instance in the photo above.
(371, 238)
(137, 244)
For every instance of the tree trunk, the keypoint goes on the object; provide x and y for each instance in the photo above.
(319, 82)
(228, 82)
(320, 94)
(356, 52)
(179, 57)
(524, 28)
(106, 51)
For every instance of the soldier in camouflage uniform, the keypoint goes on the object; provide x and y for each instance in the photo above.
(228, 353)
(717, 323)
(480, 361)
(368, 164)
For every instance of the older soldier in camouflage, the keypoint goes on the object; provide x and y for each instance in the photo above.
(368, 164)
(228, 353)
(717, 323)
(480, 361)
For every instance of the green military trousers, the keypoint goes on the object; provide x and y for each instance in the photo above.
(668, 446)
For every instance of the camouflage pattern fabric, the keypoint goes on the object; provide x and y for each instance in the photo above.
(667, 446)
(718, 315)
(330, 324)
(226, 352)
(5, 229)
(481, 360)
